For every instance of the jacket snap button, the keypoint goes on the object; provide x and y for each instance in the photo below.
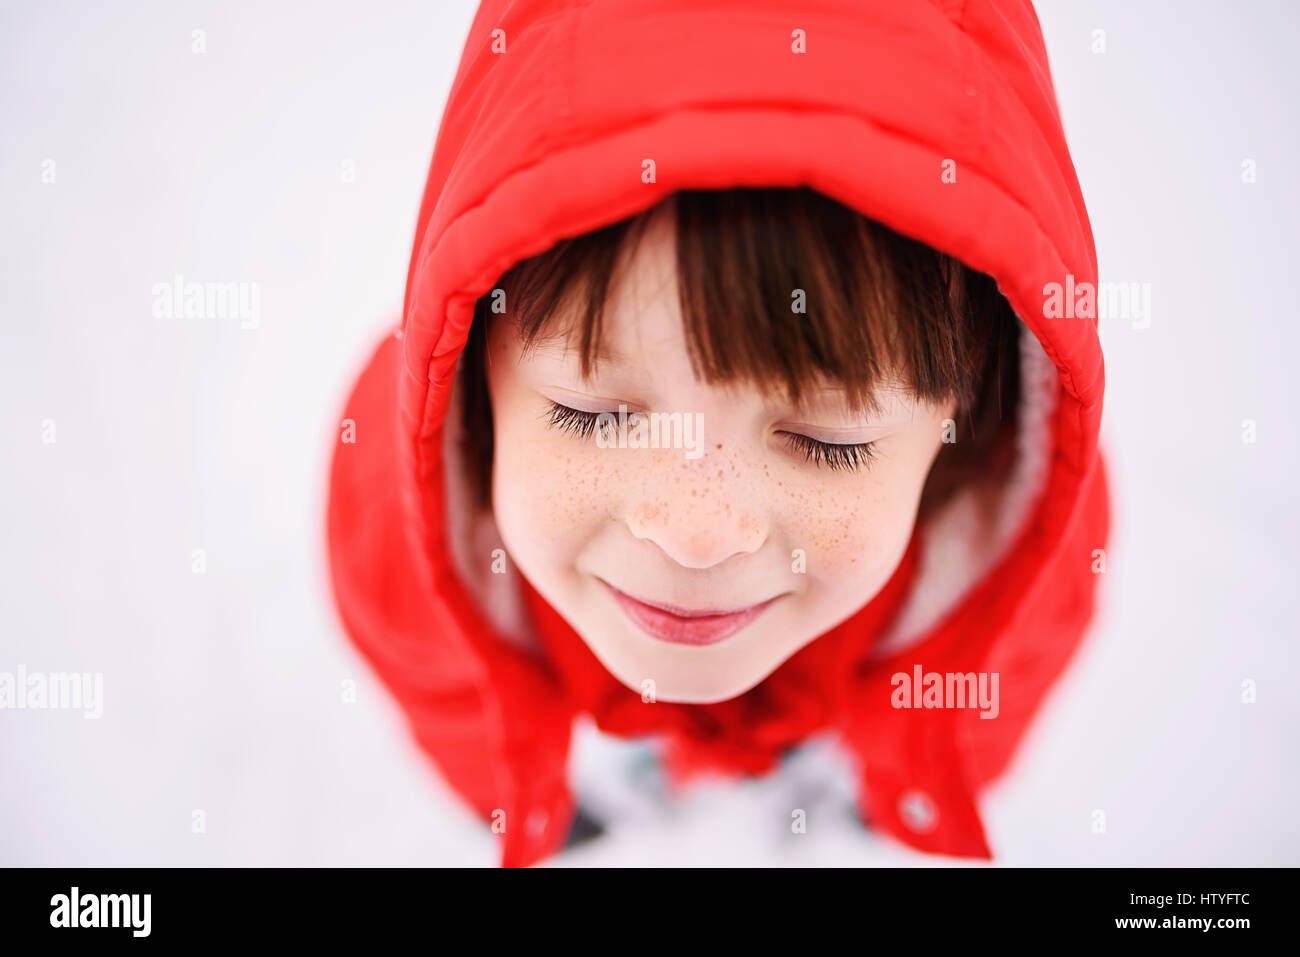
(536, 822)
(918, 812)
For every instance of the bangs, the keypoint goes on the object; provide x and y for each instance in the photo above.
(782, 289)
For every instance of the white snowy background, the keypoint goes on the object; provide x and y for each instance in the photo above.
(222, 690)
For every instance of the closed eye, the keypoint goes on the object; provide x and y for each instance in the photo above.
(832, 455)
(575, 421)
(581, 423)
(849, 457)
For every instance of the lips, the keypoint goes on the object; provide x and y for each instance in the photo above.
(686, 626)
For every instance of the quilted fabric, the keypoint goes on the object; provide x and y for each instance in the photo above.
(554, 107)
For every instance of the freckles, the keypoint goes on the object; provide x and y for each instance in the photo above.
(831, 522)
(831, 531)
(647, 513)
(558, 492)
(584, 493)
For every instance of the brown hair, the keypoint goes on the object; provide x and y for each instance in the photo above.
(877, 302)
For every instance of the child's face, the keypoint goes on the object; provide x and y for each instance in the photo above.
(741, 520)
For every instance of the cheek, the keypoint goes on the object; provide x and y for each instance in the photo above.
(856, 530)
(850, 532)
(547, 490)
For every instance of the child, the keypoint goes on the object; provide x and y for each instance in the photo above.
(727, 406)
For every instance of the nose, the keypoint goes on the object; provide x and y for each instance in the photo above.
(700, 532)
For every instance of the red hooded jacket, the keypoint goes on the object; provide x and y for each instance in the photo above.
(937, 118)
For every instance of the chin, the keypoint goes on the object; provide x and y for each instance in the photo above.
(697, 682)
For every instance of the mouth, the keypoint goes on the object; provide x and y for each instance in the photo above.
(685, 626)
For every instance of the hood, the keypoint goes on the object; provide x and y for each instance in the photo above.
(554, 106)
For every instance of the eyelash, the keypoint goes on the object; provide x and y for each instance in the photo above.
(575, 421)
(828, 454)
(833, 456)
